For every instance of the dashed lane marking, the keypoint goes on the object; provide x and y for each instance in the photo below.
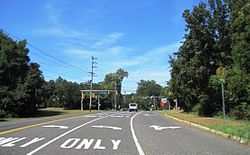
(38, 124)
(66, 133)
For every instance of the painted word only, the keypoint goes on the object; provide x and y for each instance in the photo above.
(11, 141)
(77, 143)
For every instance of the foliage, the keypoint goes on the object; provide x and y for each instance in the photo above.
(20, 80)
(217, 34)
(148, 93)
(238, 76)
(113, 81)
(241, 111)
(66, 94)
(148, 88)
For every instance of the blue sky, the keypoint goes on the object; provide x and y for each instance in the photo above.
(136, 35)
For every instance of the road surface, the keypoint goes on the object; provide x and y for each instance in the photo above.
(108, 133)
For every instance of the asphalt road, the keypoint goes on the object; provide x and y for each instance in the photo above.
(122, 133)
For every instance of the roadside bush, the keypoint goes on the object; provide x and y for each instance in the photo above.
(242, 111)
(196, 109)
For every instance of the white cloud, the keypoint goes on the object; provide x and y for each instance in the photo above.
(153, 65)
(112, 52)
(58, 32)
(160, 76)
(53, 14)
(107, 40)
(117, 50)
(82, 53)
(150, 58)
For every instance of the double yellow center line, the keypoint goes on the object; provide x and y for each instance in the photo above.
(38, 124)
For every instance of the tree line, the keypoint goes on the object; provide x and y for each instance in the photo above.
(217, 35)
(23, 89)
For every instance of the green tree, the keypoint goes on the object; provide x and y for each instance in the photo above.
(19, 80)
(238, 76)
(206, 46)
(148, 88)
(114, 81)
(33, 83)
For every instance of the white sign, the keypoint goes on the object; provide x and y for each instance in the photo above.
(56, 126)
(159, 128)
(107, 127)
(87, 143)
(164, 100)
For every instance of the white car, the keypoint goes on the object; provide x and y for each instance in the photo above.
(132, 107)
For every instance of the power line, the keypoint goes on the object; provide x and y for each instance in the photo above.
(58, 74)
(53, 62)
(42, 51)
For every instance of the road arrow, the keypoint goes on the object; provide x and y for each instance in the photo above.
(118, 116)
(107, 127)
(56, 126)
(148, 115)
(90, 116)
(159, 128)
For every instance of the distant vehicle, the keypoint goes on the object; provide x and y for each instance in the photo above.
(132, 107)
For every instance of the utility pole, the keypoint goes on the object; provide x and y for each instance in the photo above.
(115, 97)
(98, 98)
(124, 99)
(93, 62)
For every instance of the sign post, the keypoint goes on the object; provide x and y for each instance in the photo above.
(220, 72)
(176, 104)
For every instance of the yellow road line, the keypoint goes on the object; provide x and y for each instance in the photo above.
(34, 125)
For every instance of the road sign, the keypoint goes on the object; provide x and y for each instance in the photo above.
(164, 100)
(220, 72)
(162, 104)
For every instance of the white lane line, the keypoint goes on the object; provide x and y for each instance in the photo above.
(137, 144)
(64, 134)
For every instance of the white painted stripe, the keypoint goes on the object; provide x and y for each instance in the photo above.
(137, 144)
(64, 134)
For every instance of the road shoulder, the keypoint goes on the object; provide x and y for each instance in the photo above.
(225, 135)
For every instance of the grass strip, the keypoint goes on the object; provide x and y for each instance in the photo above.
(232, 127)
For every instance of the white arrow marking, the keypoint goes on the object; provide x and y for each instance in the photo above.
(107, 127)
(148, 115)
(159, 128)
(56, 126)
(90, 116)
(117, 116)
